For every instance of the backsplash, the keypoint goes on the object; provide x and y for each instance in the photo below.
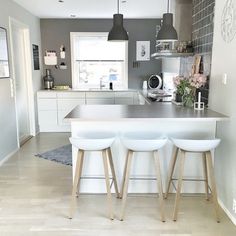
(203, 25)
(202, 37)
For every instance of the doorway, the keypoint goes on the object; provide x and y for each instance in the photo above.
(22, 76)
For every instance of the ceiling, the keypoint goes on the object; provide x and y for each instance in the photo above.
(94, 8)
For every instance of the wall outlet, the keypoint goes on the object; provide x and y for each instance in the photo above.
(234, 205)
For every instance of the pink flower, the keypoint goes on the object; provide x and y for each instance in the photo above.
(198, 80)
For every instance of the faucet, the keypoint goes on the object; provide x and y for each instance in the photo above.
(101, 83)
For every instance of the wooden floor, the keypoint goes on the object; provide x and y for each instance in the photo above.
(35, 194)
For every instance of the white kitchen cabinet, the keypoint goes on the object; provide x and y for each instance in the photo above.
(124, 98)
(71, 95)
(47, 111)
(100, 98)
(46, 104)
(47, 121)
(66, 102)
(100, 101)
(65, 106)
(69, 104)
(53, 106)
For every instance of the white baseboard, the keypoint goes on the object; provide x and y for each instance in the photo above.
(228, 213)
(8, 157)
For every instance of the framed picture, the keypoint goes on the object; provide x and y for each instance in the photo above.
(4, 62)
(36, 57)
(143, 51)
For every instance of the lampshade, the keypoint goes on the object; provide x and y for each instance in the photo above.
(167, 32)
(118, 32)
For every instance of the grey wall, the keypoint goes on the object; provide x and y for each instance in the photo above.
(222, 99)
(8, 133)
(56, 32)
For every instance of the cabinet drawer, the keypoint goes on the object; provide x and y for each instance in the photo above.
(124, 94)
(69, 104)
(99, 94)
(100, 101)
(47, 104)
(49, 94)
(71, 95)
(61, 116)
(124, 101)
(47, 117)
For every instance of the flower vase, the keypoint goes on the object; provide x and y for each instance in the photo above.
(188, 100)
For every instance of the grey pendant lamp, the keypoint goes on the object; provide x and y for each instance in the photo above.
(167, 32)
(118, 32)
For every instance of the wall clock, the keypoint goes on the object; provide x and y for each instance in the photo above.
(228, 21)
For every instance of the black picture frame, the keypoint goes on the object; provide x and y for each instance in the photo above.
(36, 57)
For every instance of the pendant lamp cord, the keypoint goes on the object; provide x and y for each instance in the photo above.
(168, 6)
(118, 6)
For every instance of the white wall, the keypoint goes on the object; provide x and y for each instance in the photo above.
(223, 99)
(8, 140)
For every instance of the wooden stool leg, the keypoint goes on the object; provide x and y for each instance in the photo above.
(109, 196)
(159, 184)
(113, 172)
(75, 183)
(213, 184)
(171, 170)
(80, 173)
(180, 180)
(205, 173)
(126, 183)
(124, 172)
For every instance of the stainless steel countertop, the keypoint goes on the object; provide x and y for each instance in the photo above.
(153, 111)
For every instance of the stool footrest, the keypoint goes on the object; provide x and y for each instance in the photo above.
(195, 180)
(87, 177)
(141, 178)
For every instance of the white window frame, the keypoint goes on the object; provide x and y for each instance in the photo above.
(95, 34)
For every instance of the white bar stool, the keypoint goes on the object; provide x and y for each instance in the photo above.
(142, 142)
(94, 142)
(197, 146)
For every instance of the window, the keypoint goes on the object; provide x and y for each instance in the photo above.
(96, 61)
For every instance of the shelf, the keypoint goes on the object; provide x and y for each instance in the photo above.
(158, 55)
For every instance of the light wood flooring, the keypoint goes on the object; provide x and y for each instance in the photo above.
(35, 197)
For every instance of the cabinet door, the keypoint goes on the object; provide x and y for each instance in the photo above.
(48, 117)
(47, 104)
(69, 104)
(100, 101)
(61, 115)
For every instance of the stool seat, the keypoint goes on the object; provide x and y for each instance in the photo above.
(191, 145)
(143, 142)
(93, 141)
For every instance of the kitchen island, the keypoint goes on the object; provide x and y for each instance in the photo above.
(163, 118)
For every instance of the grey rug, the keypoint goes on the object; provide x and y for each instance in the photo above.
(62, 155)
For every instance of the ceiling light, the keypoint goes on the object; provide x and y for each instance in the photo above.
(167, 32)
(118, 32)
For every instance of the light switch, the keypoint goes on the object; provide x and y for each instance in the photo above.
(224, 79)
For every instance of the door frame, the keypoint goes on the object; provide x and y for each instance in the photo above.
(28, 72)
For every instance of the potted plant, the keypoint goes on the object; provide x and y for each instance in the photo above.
(186, 88)
(181, 83)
